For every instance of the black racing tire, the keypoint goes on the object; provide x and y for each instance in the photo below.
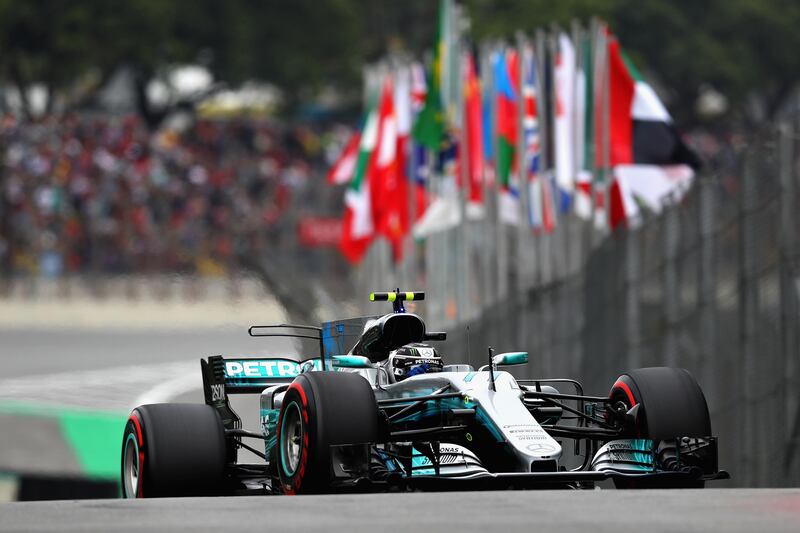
(672, 401)
(672, 404)
(173, 449)
(320, 410)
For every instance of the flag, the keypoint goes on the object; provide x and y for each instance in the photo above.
(420, 177)
(601, 104)
(488, 141)
(530, 125)
(387, 179)
(648, 158)
(342, 171)
(403, 95)
(443, 212)
(548, 191)
(564, 76)
(419, 153)
(429, 130)
(507, 81)
(473, 124)
(419, 89)
(357, 225)
(584, 114)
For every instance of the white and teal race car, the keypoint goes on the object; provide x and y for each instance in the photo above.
(387, 413)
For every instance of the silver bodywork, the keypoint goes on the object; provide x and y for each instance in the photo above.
(503, 409)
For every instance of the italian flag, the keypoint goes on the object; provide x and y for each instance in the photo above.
(357, 226)
(648, 158)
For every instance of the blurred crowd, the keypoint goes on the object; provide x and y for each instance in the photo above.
(101, 194)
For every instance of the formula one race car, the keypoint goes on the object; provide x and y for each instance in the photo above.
(389, 414)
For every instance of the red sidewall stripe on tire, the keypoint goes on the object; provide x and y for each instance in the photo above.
(619, 384)
(301, 468)
(134, 418)
(627, 390)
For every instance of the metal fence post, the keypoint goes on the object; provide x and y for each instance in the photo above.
(709, 362)
(789, 303)
(632, 297)
(671, 287)
(748, 300)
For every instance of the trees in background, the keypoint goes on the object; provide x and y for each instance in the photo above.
(744, 49)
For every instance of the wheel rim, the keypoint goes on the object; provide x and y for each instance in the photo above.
(291, 438)
(131, 467)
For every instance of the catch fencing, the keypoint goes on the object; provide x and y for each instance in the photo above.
(710, 284)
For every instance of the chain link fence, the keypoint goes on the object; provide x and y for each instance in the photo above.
(711, 284)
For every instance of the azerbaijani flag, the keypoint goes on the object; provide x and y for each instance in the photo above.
(507, 80)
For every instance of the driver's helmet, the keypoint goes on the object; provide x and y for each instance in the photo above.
(411, 360)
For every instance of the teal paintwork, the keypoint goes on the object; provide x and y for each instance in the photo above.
(351, 361)
(269, 428)
(510, 358)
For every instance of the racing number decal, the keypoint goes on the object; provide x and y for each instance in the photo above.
(217, 392)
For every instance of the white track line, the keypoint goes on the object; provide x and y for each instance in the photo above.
(115, 389)
(168, 390)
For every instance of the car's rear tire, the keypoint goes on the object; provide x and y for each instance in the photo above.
(320, 410)
(671, 405)
(173, 449)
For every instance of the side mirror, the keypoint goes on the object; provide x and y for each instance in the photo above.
(435, 336)
(351, 361)
(510, 358)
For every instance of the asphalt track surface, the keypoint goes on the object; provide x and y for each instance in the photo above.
(600, 510)
(106, 371)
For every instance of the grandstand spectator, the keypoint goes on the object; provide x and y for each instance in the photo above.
(101, 195)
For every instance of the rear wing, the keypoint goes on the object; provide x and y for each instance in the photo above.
(250, 375)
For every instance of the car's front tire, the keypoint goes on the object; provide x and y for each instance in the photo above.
(173, 449)
(672, 405)
(320, 410)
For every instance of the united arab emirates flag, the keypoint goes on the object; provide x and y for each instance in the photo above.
(648, 158)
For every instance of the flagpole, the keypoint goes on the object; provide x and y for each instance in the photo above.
(522, 174)
(583, 234)
(559, 257)
(364, 269)
(591, 151)
(607, 174)
(462, 264)
(544, 241)
(487, 230)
